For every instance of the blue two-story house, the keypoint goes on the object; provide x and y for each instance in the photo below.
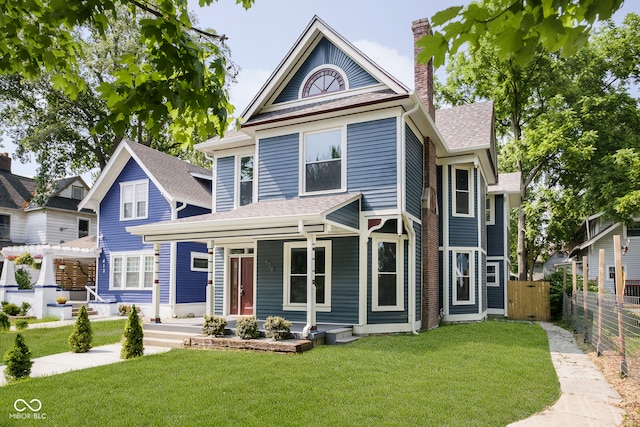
(341, 200)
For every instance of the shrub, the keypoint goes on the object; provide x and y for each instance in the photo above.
(4, 321)
(23, 278)
(214, 325)
(11, 309)
(247, 328)
(80, 338)
(277, 327)
(24, 308)
(132, 345)
(22, 324)
(17, 360)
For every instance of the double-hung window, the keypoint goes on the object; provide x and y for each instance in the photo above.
(323, 163)
(493, 274)
(388, 282)
(132, 271)
(490, 210)
(296, 272)
(134, 200)
(463, 191)
(83, 227)
(5, 227)
(463, 290)
(245, 194)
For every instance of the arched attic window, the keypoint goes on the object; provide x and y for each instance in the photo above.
(323, 81)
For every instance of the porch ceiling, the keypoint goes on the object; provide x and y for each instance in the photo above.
(269, 218)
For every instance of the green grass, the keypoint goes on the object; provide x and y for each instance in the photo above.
(486, 374)
(45, 341)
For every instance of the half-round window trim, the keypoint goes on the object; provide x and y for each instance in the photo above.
(317, 70)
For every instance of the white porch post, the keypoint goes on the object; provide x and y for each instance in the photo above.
(155, 293)
(311, 281)
(46, 287)
(8, 278)
(210, 295)
(47, 271)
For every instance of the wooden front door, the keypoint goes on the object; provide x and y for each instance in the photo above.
(241, 295)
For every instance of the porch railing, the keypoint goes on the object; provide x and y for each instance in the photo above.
(632, 288)
(91, 291)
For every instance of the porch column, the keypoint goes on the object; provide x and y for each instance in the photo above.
(210, 295)
(311, 282)
(155, 293)
(47, 271)
(8, 278)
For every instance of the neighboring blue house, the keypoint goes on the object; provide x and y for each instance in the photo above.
(343, 184)
(140, 185)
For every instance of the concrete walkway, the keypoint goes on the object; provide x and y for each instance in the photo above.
(587, 399)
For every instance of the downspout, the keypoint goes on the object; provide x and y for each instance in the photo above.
(412, 236)
(311, 270)
(173, 263)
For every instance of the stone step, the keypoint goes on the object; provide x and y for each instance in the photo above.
(347, 340)
(162, 342)
(339, 336)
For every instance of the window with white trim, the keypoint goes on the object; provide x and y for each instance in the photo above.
(132, 271)
(245, 181)
(77, 192)
(134, 200)
(611, 272)
(83, 227)
(199, 261)
(387, 293)
(295, 275)
(322, 163)
(463, 288)
(633, 229)
(493, 274)
(490, 209)
(462, 191)
(5, 227)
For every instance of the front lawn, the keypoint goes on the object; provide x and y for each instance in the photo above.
(45, 341)
(486, 374)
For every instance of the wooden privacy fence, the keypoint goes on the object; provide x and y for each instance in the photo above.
(528, 300)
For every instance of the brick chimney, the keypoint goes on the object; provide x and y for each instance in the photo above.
(423, 77)
(5, 162)
(423, 73)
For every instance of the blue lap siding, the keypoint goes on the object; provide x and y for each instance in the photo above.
(278, 167)
(496, 233)
(495, 294)
(348, 215)
(414, 167)
(386, 317)
(225, 183)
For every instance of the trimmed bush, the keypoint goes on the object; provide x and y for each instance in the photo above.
(11, 309)
(22, 324)
(18, 361)
(132, 345)
(214, 325)
(277, 327)
(247, 328)
(23, 278)
(24, 308)
(80, 338)
(5, 324)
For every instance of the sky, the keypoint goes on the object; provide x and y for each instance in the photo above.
(260, 37)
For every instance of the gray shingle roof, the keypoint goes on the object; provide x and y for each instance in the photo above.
(174, 175)
(507, 183)
(466, 126)
(15, 191)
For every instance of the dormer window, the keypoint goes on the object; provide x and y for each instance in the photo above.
(323, 81)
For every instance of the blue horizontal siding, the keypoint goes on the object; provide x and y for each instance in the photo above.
(495, 294)
(190, 285)
(225, 178)
(463, 309)
(414, 168)
(386, 317)
(440, 170)
(463, 231)
(372, 153)
(348, 215)
(326, 53)
(417, 229)
(496, 234)
(278, 167)
(218, 280)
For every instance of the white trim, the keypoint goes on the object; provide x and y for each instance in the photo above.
(607, 278)
(302, 186)
(78, 226)
(332, 67)
(386, 328)
(466, 317)
(199, 255)
(471, 190)
(134, 207)
(472, 281)
(496, 266)
(141, 255)
(237, 176)
(491, 207)
(496, 311)
(286, 304)
(399, 242)
(445, 274)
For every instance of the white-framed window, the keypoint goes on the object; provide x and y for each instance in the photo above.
(245, 180)
(5, 227)
(633, 229)
(323, 166)
(387, 293)
(611, 272)
(83, 227)
(77, 192)
(493, 274)
(462, 191)
(463, 278)
(134, 200)
(490, 209)
(132, 271)
(295, 276)
(199, 261)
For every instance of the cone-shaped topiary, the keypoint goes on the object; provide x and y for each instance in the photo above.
(17, 360)
(80, 338)
(132, 345)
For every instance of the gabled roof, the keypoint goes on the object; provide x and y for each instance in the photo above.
(302, 48)
(15, 191)
(177, 180)
(509, 185)
(56, 201)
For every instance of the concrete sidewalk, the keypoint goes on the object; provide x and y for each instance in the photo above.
(66, 362)
(587, 399)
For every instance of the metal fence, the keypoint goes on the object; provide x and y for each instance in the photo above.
(600, 319)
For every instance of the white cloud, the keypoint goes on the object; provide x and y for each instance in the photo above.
(392, 61)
